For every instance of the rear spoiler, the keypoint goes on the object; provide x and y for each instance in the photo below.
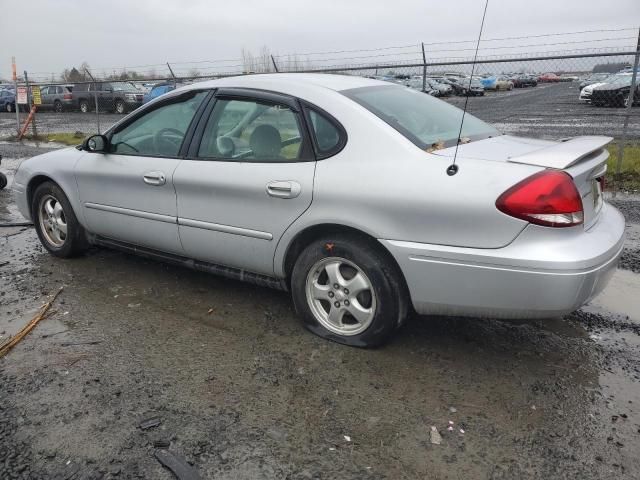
(564, 154)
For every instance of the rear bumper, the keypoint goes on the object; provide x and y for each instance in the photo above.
(543, 273)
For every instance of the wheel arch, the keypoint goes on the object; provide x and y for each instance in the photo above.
(310, 233)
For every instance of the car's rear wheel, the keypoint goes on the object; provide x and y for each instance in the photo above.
(84, 106)
(3, 181)
(9, 107)
(55, 222)
(119, 107)
(57, 106)
(347, 291)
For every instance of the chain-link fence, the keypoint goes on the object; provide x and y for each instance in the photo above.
(548, 97)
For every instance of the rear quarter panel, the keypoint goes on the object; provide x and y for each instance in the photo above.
(384, 185)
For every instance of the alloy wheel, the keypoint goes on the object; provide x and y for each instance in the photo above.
(53, 222)
(340, 296)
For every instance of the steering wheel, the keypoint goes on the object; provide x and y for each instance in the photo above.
(167, 137)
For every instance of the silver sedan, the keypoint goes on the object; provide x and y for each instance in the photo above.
(360, 197)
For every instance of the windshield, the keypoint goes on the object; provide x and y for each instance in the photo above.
(421, 118)
(120, 87)
(619, 80)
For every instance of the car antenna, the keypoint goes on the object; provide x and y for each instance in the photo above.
(453, 168)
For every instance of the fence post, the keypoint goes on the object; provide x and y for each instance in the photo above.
(172, 75)
(95, 97)
(34, 129)
(424, 70)
(274, 64)
(623, 138)
(15, 85)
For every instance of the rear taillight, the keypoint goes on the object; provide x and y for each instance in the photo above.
(548, 198)
(67, 96)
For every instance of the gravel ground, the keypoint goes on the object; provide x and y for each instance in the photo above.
(546, 111)
(242, 391)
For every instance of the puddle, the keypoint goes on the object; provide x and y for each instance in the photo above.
(621, 297)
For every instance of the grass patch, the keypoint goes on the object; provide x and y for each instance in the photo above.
(629, 178)
(63, 138)
(66, 138)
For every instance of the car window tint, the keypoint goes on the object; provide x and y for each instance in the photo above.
(159, 132)
(326, 133)
(250, 130)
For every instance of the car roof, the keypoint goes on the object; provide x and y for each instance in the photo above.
(283, 81)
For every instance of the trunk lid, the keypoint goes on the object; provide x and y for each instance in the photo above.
(584, 158)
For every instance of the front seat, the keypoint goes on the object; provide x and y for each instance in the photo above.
(266, 143)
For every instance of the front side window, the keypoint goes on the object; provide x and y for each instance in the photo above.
(421, 118)
(251, 130)
(159, 132)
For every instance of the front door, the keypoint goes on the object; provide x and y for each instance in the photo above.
(246, 181)
(127, 194)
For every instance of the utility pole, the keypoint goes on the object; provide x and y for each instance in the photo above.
(274, 63)
(15, 85)
(623, 138)
(30, 106)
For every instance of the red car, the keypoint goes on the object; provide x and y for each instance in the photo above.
(549, 77)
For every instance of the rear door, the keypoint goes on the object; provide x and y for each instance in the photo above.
(248, 176)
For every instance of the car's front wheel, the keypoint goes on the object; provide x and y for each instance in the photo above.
(347, 291)
(9, 107)
(55, 222)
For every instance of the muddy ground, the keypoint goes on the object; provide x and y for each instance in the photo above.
(242, 391)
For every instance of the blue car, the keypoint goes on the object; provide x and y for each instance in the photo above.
(157, 90)
(489, 83)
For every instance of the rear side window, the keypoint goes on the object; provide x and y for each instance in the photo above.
(328, 137)
(250, 130)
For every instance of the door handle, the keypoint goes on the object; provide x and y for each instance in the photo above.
(283, 189)
(154, 178)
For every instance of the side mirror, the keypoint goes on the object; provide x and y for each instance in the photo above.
(96, 143)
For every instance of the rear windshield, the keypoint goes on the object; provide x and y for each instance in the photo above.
(421, 118)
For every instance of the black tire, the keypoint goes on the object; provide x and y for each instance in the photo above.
(57, 106)
(84, 106)
(10, 107)
(119, 107)
(3, 181)
(391, 297)
(75, 242)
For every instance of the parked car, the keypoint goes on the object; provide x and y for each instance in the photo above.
(548, 78)
(522, 81)
(118, 97)
(587, 92)
(489, 83)
(441, 87)
(417, 84)
(504, 83)
(159, 89)
(615, 93)
(462, 86)
(593, 78)
(339, 189)
(58, 98)
(7, 101)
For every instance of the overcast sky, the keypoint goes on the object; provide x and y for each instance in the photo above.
(48, 35)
